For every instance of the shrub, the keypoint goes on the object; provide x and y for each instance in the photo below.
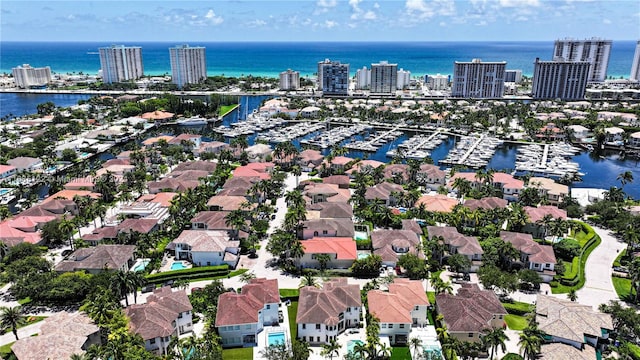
(567, 249)
(553, 284)
(364, 245)
(195, 272)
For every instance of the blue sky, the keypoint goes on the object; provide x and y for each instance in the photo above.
(318, 20)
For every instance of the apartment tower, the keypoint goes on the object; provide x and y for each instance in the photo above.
(26, 76)
(188, 65)
(121, 63)
(333, 77)
(478, 80)
(289, 80)
(384, 77)
(635, 66)
(596, 51)
(559, 79)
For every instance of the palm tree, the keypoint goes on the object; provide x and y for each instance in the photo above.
(331, 349)
(4, 212)
(246, 277)
(625, 178)
(66, 227)
(235, 219)
(323, 260)
(296, 170)
(308, 280)
(530, 345)
(12, 318)
(416, 345)
(494, 338)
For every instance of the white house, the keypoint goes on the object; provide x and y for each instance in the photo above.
(325, 313)
(167, 313)
(533, 256)
(613, 134)
(579, 132)
(342, 252)
(7, 171)
(404, 306)
(241, 317)
(24, 163)
(634, 139)
(206, 247)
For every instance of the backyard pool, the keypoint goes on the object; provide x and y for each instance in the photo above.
(360, 235)
(275, 338)
(178, 265)
(351, 344)
(141, 265)
(4, 191)
(363, 255)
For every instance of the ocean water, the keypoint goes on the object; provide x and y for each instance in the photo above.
(269, 59)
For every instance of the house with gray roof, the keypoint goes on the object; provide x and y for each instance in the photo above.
(206, 248)
(391, 244)
(533, 256)
(99, 258)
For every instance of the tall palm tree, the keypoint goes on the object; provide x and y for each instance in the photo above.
(296, 170)
(308, 280)
(331, 349)
(494, 338)
(625, 178)
(530, 345)
(12, 318)
(416, 344)
(67, 227)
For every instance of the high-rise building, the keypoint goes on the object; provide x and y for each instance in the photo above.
(596, 51)
(188, 65)
(477, 79)
(437, 82)
(635, 66)
(333, 77)
(26, 76)
(559, 79)
(514, 76)
(289, 80)
(384, 77)
(363, 78)
(404, 79)
(121, 63)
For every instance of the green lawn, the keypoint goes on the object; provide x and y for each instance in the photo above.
(237, 353)
(517, 307)
(293, 328)
(287, 293)
(400, 353)
(224, 109)
(622, 286)
(563, 289)
(516, 322)
(5, 350)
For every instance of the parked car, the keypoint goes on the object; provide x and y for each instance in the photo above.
(148, 288)
(168, 283)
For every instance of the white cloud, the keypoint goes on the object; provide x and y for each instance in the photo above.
(358, 13)
(376, 6)
(323, 6)
(482, 23)
(519, 3)
(606, 21)
(330, 24)
(212, 18)
(424, 10)
(256, 23)
(369, 15)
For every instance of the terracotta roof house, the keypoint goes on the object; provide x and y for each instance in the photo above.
(238, 186)
(61, 335)
(228, 203)
(69, 194)
(85, 183)
(437, 203)
(183, 139)
(201, 165)
(342, 181)
(550, 189)
(99, 235)
(533, 256)
(258, 152)
(241, 317)
(206, 248)
(213, 147)
(536, 214)
(325, 313)
(215, 220)
(173, 184)
(166, 313)
(390, 244)
(189, 175)
(412, 225)
(6, 171)
(116, 161)
(162, 198)
(97, 259)
(470, 312)
(259, 170)
(330, 210)
(327, 228)
(24, 163)
(571, 323)
(309, 159)
(154, 140)
(341, 250)
(365, 166)
(431, 176)
(399, 173)
(158, 115)
(486, 203)
(340, 163)
(142, 226)
(317, 193)
(459, 244)
(384, 192)
(510, 186)
(404, 306)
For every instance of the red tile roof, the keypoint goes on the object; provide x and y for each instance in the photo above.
(235, 309)
(344, 248)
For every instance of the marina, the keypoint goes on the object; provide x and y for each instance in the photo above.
(419, 146)
(473, 152)
(255, 122)
(289, 133)
(375, 141)
(336, 135)
(548, 159)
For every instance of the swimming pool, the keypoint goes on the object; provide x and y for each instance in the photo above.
(141, 265)
(177, 265)
(275, 338)
(363, 255)
(360, 235)
(351, 344)
(3, 191)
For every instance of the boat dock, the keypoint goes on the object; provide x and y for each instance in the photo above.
(374, 143)
(423, 144)
(473, 147)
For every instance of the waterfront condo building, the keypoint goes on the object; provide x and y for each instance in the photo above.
(26, 76)
(635, 66)
(333, 77)
(595, 51)
(404, 79)
(477, 79)
(363, 78)
(384, 77)
(560, 79)
(121, 63)
(289, 80)
(514, 76)
(437, 82)
(188, 65)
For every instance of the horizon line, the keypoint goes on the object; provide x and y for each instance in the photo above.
(293, 41)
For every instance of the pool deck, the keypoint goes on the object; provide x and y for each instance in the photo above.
(166, 264)
(263, 337)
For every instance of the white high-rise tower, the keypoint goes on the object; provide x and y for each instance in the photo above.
(596, 51)
(635, 66)
(121, 63)
(188, 65)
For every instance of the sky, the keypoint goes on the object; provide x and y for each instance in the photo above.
(318, 20)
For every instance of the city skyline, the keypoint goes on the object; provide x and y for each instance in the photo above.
(319, 20)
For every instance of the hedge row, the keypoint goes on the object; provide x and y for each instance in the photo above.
(586, 251)
(195, 272)
(364, 245)
(518, 308)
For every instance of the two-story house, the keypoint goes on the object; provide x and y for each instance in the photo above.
(533, 256)
(206, 248)
(241, 317)
(404, 306)
(536, 215)
(325, 313)
(166, 313)
(468, 313)
(554, 192)
(342, 252)
(391, 244)
(431, 177)
(457, 243)
(385, 192)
